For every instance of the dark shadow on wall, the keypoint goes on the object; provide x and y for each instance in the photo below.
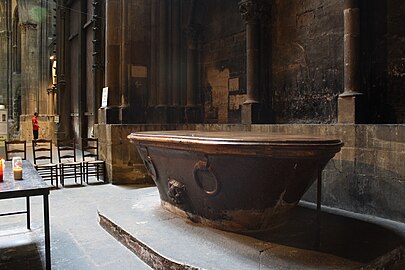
(362, 188)
(374, 62)
(341, 236)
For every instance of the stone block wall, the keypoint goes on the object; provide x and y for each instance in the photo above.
(223, 63)
(47, 127)
(395, 60)
(124, 166)
(307, 60)
(368, 175)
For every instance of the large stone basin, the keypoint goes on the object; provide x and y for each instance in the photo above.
(235, 181)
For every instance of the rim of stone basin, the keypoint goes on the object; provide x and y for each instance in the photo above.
(240, 142)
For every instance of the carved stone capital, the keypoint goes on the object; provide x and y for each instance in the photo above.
(27, 26)
(253, 10)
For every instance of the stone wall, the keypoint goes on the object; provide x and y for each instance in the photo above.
(47, 127)
(124, 166)
(395, 59)
(307, 60)
(367, 176)
(223, 63)
(301, 46)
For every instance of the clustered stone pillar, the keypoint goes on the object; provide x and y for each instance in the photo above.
(163, 62)
(250, 11)
(30, 68)
(175, 74)
(110, 115)
(124, 57)
(191, 111)
(192, 36)
(162, 94)
(152, 95)
(98, 66)
(349, 100)
(5, 52)
(63, 107)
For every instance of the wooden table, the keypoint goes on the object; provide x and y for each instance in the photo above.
(32, 184)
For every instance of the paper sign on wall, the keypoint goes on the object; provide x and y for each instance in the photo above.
(104, 98)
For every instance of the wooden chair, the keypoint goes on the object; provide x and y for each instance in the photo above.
(92, 165)
(43, 160)
(69, 167)
(16, 148)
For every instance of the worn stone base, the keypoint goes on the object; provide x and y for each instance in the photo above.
(350, 108)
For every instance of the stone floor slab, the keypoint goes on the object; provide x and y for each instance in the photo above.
(77, 240)
(160, 237)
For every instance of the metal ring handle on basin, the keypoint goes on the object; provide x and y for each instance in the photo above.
(204, 166)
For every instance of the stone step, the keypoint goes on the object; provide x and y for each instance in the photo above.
(165, 241)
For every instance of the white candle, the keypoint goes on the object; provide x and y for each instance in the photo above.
(17, 173)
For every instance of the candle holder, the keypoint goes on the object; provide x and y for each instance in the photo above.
(17, 168)
(1, 169)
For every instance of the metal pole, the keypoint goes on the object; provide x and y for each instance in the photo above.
(47, 232)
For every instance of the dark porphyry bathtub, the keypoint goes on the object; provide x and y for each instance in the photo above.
(235, 181)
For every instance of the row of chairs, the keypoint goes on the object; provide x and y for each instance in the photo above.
(68, 166)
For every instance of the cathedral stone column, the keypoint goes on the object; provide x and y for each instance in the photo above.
(110, 114)
(63, 107)
(174, 111)
(349, 101)
(152, 95)
(251, 11)
(191, 112)
(29, 69)
(163, 87)
(125, 62)
(5, 54)
(176, 52)
(97, 68)
(192, 39)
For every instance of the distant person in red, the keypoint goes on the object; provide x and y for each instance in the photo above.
(35, 126)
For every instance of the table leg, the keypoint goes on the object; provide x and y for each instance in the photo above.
(47, 233)
(318, 209)
(28, 213)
